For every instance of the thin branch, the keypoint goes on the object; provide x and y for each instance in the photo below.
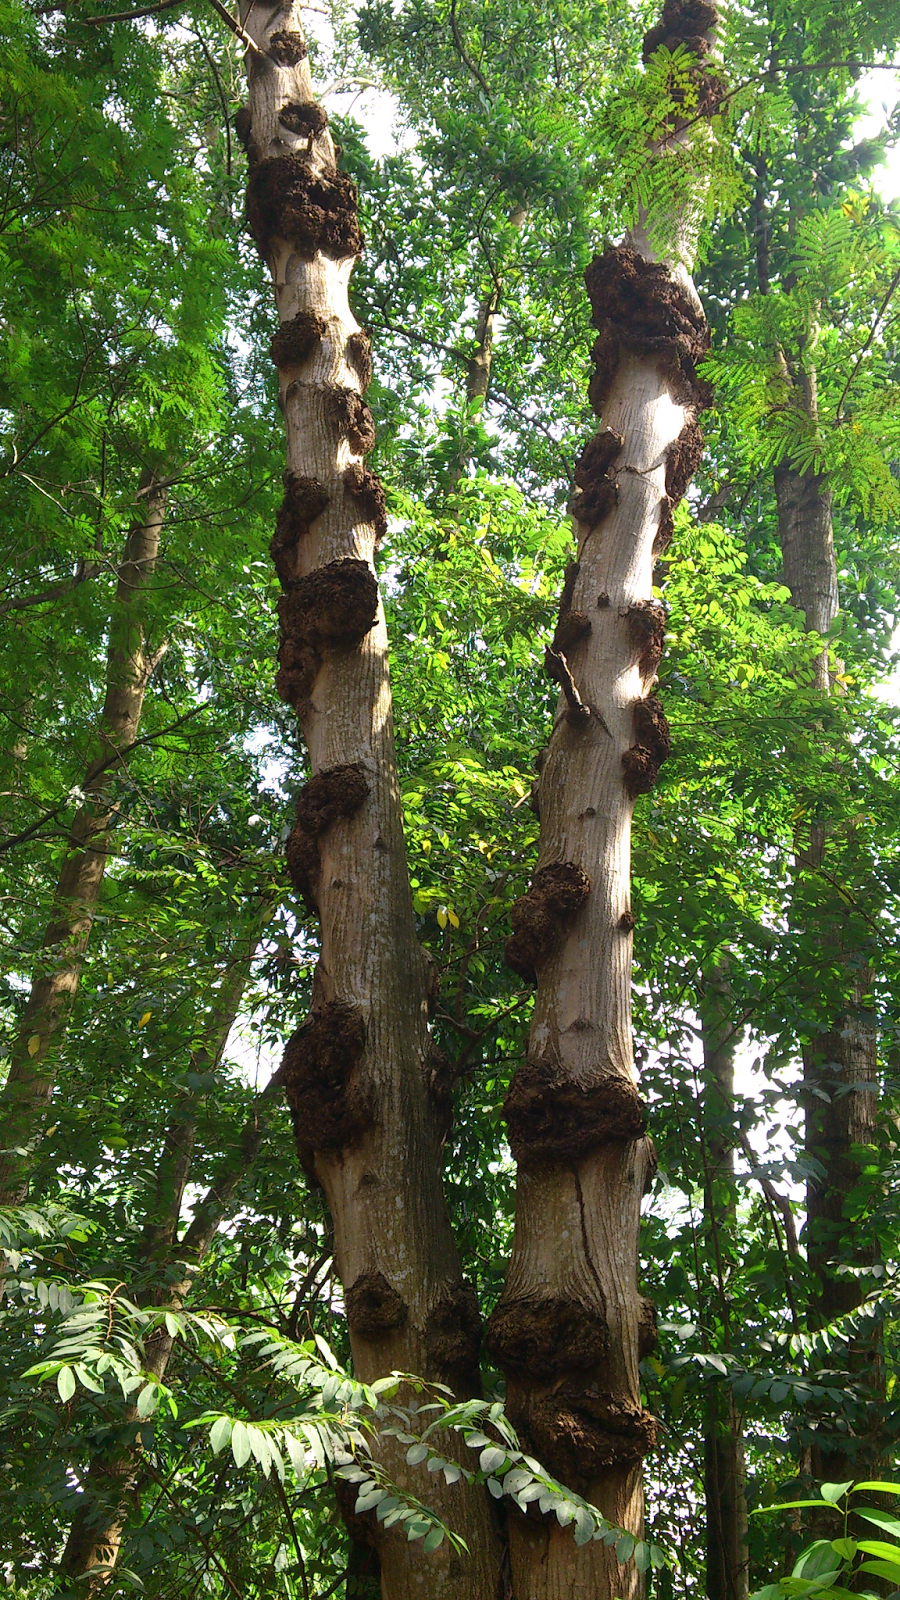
(113, 760)
(838, 416)
(131, 16)
(557, 667)
(246, 41)
(53, 591)
(463, 53)
(222, 101)
(774, 1195)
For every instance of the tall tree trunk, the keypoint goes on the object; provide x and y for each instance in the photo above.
(567, 1328)
(32, 1072)
(840, 1066)
(725, 1474)
(365, 1085)
(95, 1536)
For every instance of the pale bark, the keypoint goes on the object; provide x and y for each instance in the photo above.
(725, 1473)
(34, 1056)
(568, 1326)
(360, 1075)
(112, 1481)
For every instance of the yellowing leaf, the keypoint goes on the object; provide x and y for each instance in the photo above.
(442, 917)
(452, 918)
(145, 1019)
(34, 1044)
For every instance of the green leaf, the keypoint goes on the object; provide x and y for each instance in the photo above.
(433, 1539)
(416, 1453)
(876, 1486)
(65, 1383)
(491, 1459)
(240, 1443)
(147, 1400)
(219, 1434)
(833, 1492)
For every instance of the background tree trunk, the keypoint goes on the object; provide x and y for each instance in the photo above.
(32, 1073)
(366, 1087)
(112, 1481)
(840, 1068)
(725, 1473)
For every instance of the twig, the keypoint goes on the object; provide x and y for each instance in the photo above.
(838, 415)
(131, 16)
(86, 570)
(557, 667)
(463, 53)
(777, 1198)
(96, 772)
(246, 41)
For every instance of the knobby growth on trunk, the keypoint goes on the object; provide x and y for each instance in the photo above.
(359, 1073)
(570, 1325)
(129, 666)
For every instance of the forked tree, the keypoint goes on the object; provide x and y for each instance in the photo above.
(368, 1090)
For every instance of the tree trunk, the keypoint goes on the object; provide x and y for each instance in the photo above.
(840, 1068)
(725, 1472)
(32, 1072)
(366, 1088)
(567, 1330)
(95, 1536)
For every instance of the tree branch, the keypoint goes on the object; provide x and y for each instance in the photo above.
(53, 591)
(464, 54)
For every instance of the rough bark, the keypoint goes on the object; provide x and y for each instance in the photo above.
(35, 1050)
(725, 1475)
(567, 1329)
(359, 1073)
(112, 1481)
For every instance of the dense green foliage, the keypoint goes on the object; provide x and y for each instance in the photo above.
(135, 328)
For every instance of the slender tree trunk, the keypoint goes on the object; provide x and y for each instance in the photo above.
(33, 1064)
(363, 1080)
(840, 1070)
(725, 1472)
(840, 1066)
(567, 1328)
(111, 1485)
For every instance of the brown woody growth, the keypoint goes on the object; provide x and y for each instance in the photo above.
(642, 762)
(311, 211)
(453, 1338)
(554, 1119)
(579, 1431)
(539, 917)
(333, 607)
(330, 1108)
(368, 491)
(598, 493)
(330, 796)
(297, 339)
(544, 1337)
(374, 1306)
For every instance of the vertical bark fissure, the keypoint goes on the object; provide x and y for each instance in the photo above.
(34, 1055)
(567, 1330)
(358, 1073)
(725, 1476)
(112, 1481)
